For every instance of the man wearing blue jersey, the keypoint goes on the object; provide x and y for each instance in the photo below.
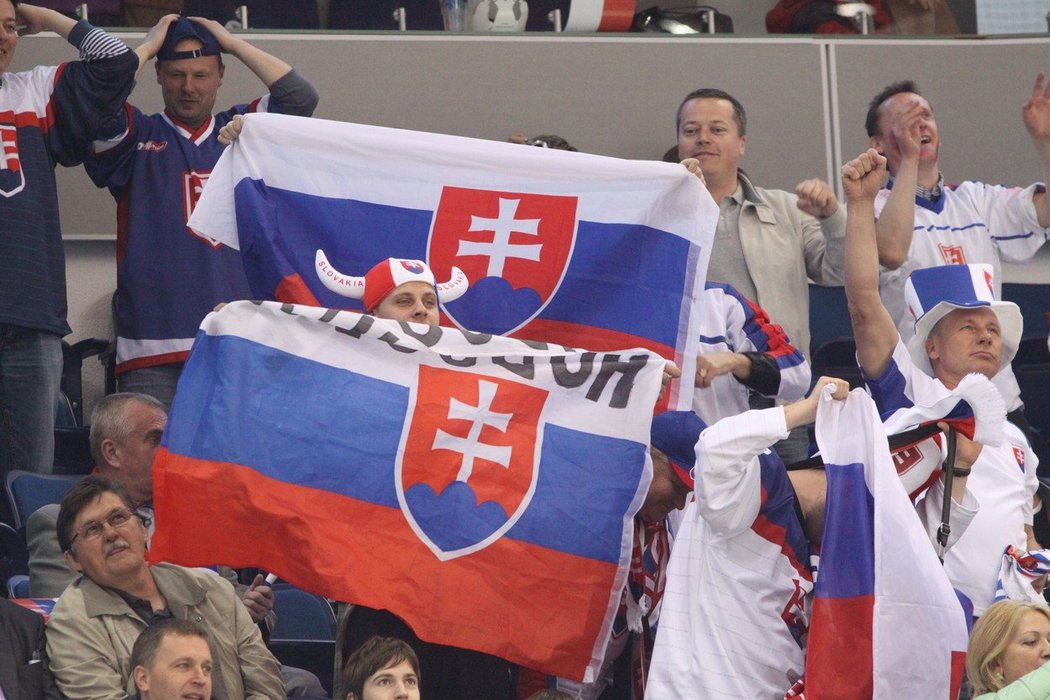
(168, 277)
(48, 115)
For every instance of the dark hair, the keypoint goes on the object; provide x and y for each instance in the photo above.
(714, 94)
(374, 655)
(83, 493)
(871, 121)
(145, 649)
(550, 694)
(550, 141)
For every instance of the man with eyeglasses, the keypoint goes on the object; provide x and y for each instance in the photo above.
(118, 594)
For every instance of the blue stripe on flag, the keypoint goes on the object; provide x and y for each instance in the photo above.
(849, 535)
(581, 479)
(355, 235)
(345, 440)
(620, 253)
(303, 441)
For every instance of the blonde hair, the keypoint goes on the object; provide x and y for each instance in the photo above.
(991, 636)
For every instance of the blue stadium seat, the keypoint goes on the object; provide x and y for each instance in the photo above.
(304, 635)
(29, 491)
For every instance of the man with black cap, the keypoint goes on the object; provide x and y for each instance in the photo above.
(168, 277)
(48, 115)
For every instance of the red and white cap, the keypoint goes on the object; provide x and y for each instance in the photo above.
(385, 277)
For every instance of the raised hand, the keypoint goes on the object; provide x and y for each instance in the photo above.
(815, 197)
(862, 177)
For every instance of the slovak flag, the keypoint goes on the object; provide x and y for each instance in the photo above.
(482, 488)
(570, 248)
(886, 622)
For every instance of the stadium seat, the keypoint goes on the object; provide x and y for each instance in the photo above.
(29, 491)
(838, 358)
(304, 635)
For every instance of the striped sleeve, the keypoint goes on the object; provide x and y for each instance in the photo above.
(770, 339)
(94, 43)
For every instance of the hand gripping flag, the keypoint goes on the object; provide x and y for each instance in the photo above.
(482, 488)
(886, 622)
(561, 247)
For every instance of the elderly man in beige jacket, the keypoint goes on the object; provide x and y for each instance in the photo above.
(96, 621)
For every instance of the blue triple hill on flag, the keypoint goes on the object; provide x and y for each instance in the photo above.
(570, 248)
(482, 488)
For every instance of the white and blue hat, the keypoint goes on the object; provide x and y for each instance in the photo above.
(934, 292)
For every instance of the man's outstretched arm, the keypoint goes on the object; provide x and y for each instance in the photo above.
(873, 328)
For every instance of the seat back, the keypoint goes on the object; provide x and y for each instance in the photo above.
(29, 491)
(304, 635)
(838, 358)
(302, 615)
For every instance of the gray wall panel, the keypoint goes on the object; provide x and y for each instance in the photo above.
(610, 95)
(976, 89)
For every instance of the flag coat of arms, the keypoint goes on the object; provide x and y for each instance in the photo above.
(482, 488)
(570, 248)
(886, 622)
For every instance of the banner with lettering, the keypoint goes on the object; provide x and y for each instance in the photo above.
(482, 488)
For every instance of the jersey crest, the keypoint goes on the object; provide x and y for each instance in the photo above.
(468, 467)
(514, 248)
(12, 179)
(952, 254)
(193, 182)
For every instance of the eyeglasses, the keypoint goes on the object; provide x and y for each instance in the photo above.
(93, 530)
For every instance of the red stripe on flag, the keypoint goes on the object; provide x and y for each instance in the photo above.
(617, 15)
(840, 638)
(525, 603)
(293, 290)
(958, 666)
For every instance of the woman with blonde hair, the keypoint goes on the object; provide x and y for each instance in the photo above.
(1008, 651)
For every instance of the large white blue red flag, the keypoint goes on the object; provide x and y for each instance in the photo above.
(886, 622)
(482, 488)
(570, 248)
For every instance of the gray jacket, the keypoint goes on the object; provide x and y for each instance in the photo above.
(92, 629)
(782, 247)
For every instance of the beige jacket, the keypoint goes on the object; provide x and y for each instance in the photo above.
(92, 629)
(782, 247)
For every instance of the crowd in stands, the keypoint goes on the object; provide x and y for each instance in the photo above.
(716, 604)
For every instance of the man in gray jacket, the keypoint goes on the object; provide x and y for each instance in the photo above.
(96, 621)
(768, 242)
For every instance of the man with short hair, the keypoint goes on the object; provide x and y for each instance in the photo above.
(118, 594)
(959, 329)
(125, 433)
(383, 668)
(48, 115)
(171, 660)
(168, 277)
(407, 291)
(126, 430)
(922, 222)
(767, 241)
